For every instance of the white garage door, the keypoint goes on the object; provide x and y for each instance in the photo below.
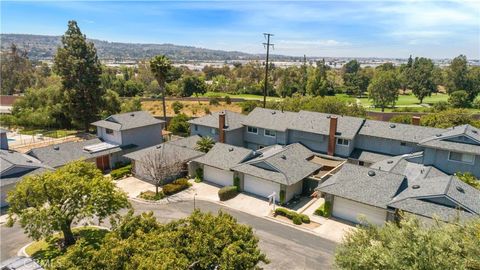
(260, 187)
(217, 176)
(350, 210)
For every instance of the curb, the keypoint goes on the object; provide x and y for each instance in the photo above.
(294, 226)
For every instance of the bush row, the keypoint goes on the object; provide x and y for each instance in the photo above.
(121, 172)
(176, 186)
(294, 216)
(325, 210)
(151, 195)
(228, 192)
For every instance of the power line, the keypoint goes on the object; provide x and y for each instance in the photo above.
(267, 36)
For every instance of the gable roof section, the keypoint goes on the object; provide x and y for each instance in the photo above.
(395, 131)
(314, 122)
(353, 182)
(10, 159)
(188, 142)
(180, 148)
(286, 165)
(225, 156)
(128, 120)
(233, 120)
(443, 140)
(270, 119)
(60, 154)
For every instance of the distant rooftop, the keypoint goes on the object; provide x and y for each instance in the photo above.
(128, 120)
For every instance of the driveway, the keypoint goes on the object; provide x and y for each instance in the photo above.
(134, 186)
(286, 247)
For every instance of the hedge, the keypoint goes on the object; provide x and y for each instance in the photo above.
(199, 175)
(294, 216)
(176, 186)
(236, 182)
(325, 210)
(121, 172)
(151, 195)
(227, 193)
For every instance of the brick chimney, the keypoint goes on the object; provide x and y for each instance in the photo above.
(416, 120)
(331, 135)
(221, 126)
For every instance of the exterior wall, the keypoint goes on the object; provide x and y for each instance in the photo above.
(295, 189)
(204, 131)
(314, 142)
(253, 141)
(115, 138)
(234, 137)
(344, 150)
(439, 159)
(143, 136)
(4, 193)
(3, 141)
(386, 146)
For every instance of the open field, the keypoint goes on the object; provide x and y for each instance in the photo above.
(244, 96)
(411, 100)
(59, 133)
(190, 108)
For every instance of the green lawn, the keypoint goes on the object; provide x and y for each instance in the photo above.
(60, 133)
(244, 96)
(411, 100)
(46, 251)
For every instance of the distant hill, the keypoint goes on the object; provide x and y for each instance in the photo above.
(41, 47)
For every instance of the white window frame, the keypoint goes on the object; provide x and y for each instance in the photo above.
(250, 127)
(461, 161)
(269, 131)
(343, 140)
(109, 131)
(195, 127)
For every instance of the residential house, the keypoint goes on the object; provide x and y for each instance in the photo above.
(117, 135)
(224, 126)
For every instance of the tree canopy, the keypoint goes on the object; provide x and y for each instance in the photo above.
(17, 72)
(383, 90)
(49, 202)
(205, 144)
(412, 245)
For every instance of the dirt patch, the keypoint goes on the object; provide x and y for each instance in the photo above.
(312, 225)
(190, 108)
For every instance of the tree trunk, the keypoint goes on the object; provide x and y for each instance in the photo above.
(164, 105)
(421, 101)
(68, 238)
(156, 189)
(383, 108)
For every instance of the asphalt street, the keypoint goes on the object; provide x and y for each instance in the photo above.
(286, 247)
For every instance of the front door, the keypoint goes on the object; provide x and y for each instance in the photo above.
(103, 163)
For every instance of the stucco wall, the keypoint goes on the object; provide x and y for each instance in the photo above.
(115, 138)
(203, 131)
(439, 159)
(143, 136)
(293, 190)
(386, 146)
(252, 140)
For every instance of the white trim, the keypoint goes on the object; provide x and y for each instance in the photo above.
(270, 130)
(459, 161)
(251, 132)
(344, 140)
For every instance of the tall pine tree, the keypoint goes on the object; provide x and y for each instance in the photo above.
(77, 63)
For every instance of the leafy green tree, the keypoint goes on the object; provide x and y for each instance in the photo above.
(459, 99)
(449, 118)
(46, 203)
(200, 241)
(461, 77)
(402, 118)
(383, 90)
(112, 103)
(318, 84)
(77, 63)
(193, 85)
(160, 66)
(179, 125)
(422, 80)
(385, 67)
(17, 72)
(469, 178)
(205, 144)
(411, 245)
(350, 79)
(131, 105)
(177, 107)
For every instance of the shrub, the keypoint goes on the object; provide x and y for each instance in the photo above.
(121, 172)
(179, 125)
(476, 103)
(459, 99)
(120, 164)
(199, 175)
(236, 182)
(305, 218)
(227, 193)
(151, 195)
(207, 110)
(177, 107)
(324, 210)
(214, 101)
(440, 106)
(228, 100)
(282, 197)
(297, 220)
(176, 186)
(402, 118)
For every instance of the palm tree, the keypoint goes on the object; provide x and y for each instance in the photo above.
(205, 144)
(160, 66)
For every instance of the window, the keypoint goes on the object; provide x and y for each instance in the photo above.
(461, 157)
(361, 163)
(109, 131)
(214, 131)
(252, 130)
(195, 127)
(403, 143)
(270, 133)
(344, 142)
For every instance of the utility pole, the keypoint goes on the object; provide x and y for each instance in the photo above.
(267, 36)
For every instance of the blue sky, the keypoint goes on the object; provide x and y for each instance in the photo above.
(439, 29)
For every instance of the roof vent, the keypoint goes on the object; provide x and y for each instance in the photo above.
(159, 146)
(329, 116)
(29, 161)
(460, 189)
(230, 149)
(474, 131)
(56, 147)
(390, 161)
(392, 125)
(132, 114)
(438, 135)
(371, 173)
(283, 157)
(416, 186)
(274, 112)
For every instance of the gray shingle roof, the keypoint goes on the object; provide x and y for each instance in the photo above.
(395, 131)
(233, 120)
(314, 122)
(15, 177)
(441, 140)
(20, 263)
(189, 142)
(367, 156)
(62, 153)
(10, 159)
(353, 182)
(270, 119)
(286, 165)
(225, 156)
(178, 148)
(128, 120)
(428, 209)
